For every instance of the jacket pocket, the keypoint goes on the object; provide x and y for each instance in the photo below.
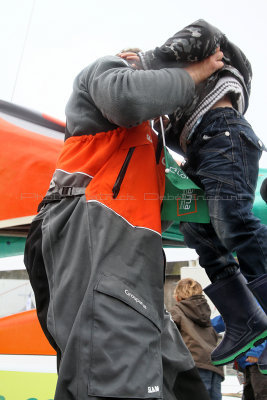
(125, 347)
(120, 177)
(252, 148)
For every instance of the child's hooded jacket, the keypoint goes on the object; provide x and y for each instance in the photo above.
(192, 317)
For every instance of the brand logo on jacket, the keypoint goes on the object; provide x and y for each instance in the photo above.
(126, 291)
(153, 389)
(149, 138)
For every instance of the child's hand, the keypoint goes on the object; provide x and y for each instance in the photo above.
(252, 360)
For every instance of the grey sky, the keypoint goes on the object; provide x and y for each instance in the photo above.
(66, 35)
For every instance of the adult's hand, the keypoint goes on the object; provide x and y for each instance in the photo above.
(129, 55)
(132, 58)
(201, 70)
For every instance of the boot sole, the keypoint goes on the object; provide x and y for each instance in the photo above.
(255, 342)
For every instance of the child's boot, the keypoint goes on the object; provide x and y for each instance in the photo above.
(245, 321)
(259, 289)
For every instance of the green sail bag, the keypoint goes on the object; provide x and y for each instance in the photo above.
(183, 199)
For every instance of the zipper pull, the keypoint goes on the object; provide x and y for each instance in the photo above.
(120, 177)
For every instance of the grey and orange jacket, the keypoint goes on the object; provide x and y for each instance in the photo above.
(108, 142)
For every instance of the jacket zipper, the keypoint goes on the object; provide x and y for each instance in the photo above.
(120, 177)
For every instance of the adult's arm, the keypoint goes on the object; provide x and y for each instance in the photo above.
(127, 97)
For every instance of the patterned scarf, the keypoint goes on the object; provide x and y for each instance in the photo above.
(194, 43)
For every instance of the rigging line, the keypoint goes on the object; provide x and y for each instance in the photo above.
(14, 288)
(23, 49)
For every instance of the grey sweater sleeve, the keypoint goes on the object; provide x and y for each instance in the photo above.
(111, 93)
(126, 96)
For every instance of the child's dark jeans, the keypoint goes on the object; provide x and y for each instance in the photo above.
(224, 159)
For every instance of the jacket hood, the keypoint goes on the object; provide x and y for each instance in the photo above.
(197, 309)
(195, 42)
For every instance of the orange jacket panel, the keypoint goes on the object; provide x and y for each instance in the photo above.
(102, 156)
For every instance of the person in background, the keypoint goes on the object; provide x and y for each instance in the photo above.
(192, 314)
(263, 190)
(94, 251)
(255, 383)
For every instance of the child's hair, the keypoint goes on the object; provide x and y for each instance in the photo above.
(186, 288)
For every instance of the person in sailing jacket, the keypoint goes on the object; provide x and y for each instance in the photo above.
(222, 156)
(94, 252)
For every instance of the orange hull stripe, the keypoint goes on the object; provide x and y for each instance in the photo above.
(27, 164)
(22, 334)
